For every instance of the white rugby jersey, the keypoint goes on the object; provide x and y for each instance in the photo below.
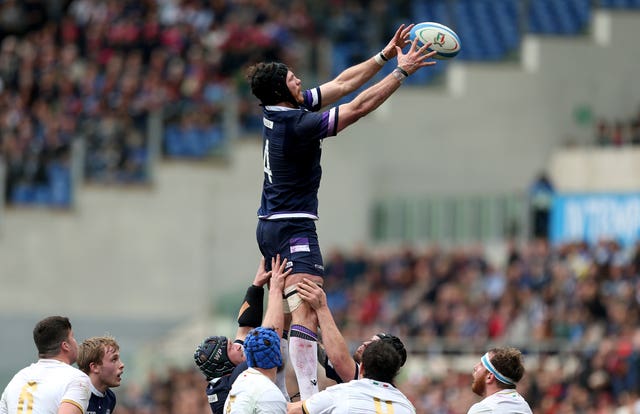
(359, 396)
(41, 387)
(503, 401)
(253, 392)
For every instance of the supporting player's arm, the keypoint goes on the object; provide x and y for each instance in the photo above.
(372, 97)
(251, 310)
(334, 343)
(354, 77)
(274, 317)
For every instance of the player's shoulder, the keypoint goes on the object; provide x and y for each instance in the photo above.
(501, 402)
(384, 391)
(72, 373)
(480, 407)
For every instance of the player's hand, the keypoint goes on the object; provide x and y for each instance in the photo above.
(312, 294)
(262, 276)
(416, 57)
(400, 39)
(278, 273)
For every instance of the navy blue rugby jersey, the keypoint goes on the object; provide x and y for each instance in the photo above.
(218, 388)
(101, 403)
(291, 149)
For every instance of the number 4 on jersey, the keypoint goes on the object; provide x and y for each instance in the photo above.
(265, 161)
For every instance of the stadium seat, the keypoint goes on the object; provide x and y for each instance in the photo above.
(60, 186)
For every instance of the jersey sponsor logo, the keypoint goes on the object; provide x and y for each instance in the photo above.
(299, 244)
(213, 398)
(267, 123)
(289, 264)
(296, 249)
(318, 266)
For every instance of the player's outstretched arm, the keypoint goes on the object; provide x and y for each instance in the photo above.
(372, 97)
(274, 316)
(334, 343)
(354, 77)
(250, 313)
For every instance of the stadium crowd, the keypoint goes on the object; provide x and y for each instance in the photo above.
(618, 133)
(575, 304)
(94, 70)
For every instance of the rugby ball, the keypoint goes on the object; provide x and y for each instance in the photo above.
(445, 41)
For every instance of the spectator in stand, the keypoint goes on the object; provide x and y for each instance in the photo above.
(541, 195)
(603, 133)
(635, 132)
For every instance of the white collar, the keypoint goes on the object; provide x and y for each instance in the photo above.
(279, 108)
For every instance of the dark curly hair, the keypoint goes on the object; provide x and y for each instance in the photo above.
(268, 82)
(381, 361)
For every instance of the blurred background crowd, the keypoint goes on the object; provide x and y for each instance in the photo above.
(93, 71)
(98, 71)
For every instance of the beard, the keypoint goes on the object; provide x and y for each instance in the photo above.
(478, 386)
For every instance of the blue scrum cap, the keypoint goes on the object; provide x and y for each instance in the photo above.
(262, 348)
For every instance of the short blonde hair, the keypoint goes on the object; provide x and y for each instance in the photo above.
(93, 350)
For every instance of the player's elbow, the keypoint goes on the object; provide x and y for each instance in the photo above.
(350, 114)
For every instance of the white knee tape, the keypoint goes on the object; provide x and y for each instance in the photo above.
(291, 299)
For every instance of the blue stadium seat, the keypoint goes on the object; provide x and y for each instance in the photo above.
(483, 27)
(41, 195)
(506, 18)
(430, 11)
(213, 137)
(581, 9)
(172, 140)
(194, 142)
(60, 188)
(345, 54)
(23, 194)
(567, 17)
(620, 4)
(540, 19)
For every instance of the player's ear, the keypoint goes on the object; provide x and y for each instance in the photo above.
(93, 367)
